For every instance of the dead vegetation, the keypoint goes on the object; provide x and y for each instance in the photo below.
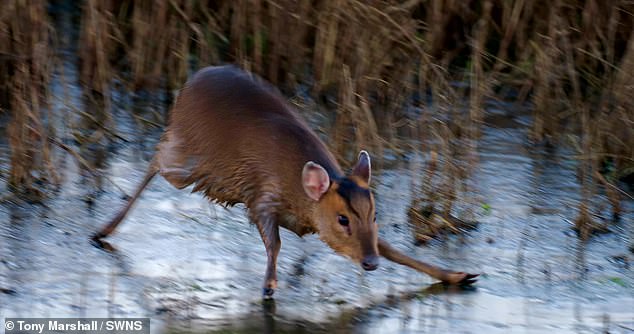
(386, 72)
(26, 67)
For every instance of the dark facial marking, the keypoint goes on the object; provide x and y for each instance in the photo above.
(348, 189)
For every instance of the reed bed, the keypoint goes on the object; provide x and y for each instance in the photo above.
(397, 76)
(26, 67)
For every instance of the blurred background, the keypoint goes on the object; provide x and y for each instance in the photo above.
(502, 133)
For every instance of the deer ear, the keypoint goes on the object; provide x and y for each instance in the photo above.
(315, 180)
(363, 167)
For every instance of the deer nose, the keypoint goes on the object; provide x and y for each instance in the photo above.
(370, 262)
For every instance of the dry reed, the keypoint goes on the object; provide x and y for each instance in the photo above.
(26, 67)
(391, 67)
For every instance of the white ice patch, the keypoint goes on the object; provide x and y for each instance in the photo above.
(165, 205)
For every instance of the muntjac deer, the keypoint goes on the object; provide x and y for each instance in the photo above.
(237, 140)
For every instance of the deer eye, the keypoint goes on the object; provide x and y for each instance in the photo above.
(343, 220)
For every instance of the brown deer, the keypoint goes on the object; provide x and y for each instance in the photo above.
(237, 140)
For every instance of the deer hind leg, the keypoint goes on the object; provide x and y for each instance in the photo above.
(112, 225)
(173, 163)
(168, 161)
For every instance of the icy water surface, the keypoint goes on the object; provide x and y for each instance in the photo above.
(196, 267)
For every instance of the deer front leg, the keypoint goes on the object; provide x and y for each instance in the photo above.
(270, 233)
(446, 276)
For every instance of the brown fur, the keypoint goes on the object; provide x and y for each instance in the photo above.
(236, 140)
(362, 239)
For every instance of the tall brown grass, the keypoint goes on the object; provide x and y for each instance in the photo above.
(26, 67)
(393, 69)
